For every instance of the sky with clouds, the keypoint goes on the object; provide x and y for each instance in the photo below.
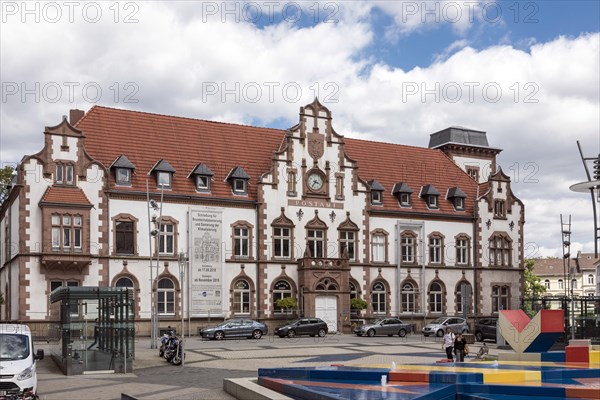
(526, 72)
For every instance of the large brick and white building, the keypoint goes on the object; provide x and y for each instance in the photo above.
(263, 214)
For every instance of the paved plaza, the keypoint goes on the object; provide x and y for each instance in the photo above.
(208, 362)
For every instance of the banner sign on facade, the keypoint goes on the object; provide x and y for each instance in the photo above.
(206, 270)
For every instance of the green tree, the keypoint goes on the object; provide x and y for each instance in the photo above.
(533, 283)
(287, 303)
(6, 175)
(358, 304)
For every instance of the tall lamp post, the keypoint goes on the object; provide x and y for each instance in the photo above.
(593, 187)
(182, 264)
(154, 229)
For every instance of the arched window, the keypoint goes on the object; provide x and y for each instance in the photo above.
(463, 289)
(166, 297)
(241, 297)
(409, 298)
(327, 284)
(124, 282)
(378, 296)
(435, 297)
(281, 290)
(574, 284)
(590, 279)
(561, 285)
(547, 284)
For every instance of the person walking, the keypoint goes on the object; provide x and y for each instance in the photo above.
(448, 343)
(459, 347)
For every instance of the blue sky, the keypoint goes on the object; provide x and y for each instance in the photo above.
(169, 52)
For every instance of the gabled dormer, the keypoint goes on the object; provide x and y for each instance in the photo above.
(238, 179)
(431, 196)
(123, 170)
(376, 192)
(403, 193)
(164, 174)
(202, 176)
(457, 197)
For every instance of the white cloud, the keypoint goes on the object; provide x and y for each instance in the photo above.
(170, 59)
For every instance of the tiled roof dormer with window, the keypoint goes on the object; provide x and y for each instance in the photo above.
(376, 192)
(403, 193)
(202, 176)
(457, 197)
(431, 196)
(164, 174)
(123, 170)
(238, 179)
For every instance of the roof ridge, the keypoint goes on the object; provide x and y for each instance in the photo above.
(181, 117)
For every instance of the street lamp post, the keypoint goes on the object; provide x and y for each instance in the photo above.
(182, 261)
(154, 228)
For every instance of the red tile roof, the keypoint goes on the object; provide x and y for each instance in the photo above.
(554, 266)
(66, 195)
(146, 138)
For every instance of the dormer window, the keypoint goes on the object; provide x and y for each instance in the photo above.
(431, 195)
(203, 176)
(239, 186)
(457, 197)
(403, 193)
(123, 176)
(64, 174)
(163, 179)
(123, 170)
(238, 179)
(376, 192)
(405, 199)
(164, 174)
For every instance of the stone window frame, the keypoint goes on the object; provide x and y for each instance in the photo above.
(496, 298)
(414, 236)
(64, 167)
(467, 238)
(458, 297)
(414, 292)
(442, 298)
(167, 220)
(316, 224)
(125, 217)
(380, 233)
(561, 284)
(283, 222)
(241, 224)
(339, 186)
(590, 280)
(442, 248)
(292, 292)
(499, 209)
(385, 293)
(292, 182)
(136, 290)
(505, 249)
(547, 284)
(72, 229)
(473, 172)
(242, 276)
(174, 290)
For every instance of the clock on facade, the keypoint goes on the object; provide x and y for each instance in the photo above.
(315, 181)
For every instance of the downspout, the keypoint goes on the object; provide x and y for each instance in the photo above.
(398, 270)
(475, 255)
(257, 263)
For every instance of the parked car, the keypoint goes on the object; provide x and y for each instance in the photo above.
(386, 326)
(303, 326)
(485, 328)
(236, 328)
(438, 326)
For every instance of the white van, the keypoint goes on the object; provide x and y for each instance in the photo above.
(18, 375)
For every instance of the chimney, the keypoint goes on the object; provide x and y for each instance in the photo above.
(75, 116)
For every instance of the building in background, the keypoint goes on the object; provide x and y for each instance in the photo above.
(262, 214)
(555, 277)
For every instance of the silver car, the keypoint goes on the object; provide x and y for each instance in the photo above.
(438, 327)
(386, 326)
(235, 328)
